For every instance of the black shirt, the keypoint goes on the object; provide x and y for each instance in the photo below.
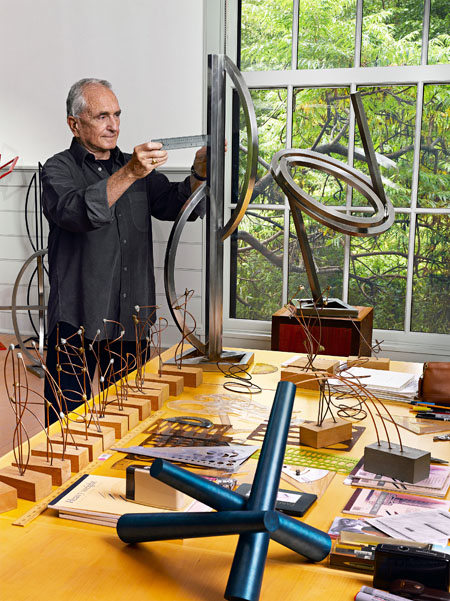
(101, 257)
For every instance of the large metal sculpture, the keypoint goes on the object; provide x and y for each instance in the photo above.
(210, 352)
(340, 221)
(213, 191)
(263, 522)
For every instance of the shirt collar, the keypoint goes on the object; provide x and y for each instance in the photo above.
(81, 154)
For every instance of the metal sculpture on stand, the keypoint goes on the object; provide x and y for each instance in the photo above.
(35, 234)
(210, 352)
(372, 189)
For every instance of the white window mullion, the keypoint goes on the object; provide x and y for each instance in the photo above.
(412, 225)
(425, 31)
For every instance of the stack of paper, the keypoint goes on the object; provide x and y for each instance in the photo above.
(427, 526)
(393, 385)
(436, 485)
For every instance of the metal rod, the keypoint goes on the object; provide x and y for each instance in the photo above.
(148, 527)
(249, 560)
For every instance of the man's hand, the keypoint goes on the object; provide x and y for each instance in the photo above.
(200, 161)
(146, 157)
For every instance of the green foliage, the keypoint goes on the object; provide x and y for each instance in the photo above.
(378, 268)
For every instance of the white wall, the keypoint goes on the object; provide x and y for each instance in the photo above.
(152, 52)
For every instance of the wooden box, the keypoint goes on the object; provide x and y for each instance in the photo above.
(340, 336)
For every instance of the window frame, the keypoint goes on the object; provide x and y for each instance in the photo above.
(409, 343)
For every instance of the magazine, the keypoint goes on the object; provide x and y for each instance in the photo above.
(374, 503)
(436, 485)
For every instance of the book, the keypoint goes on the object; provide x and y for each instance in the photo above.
(436, 485)
(374, 503)
(100, 500)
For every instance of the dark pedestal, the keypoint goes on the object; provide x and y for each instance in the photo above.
(340, 336)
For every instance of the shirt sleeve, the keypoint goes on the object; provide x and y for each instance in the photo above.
(167, 198)
(69, 202)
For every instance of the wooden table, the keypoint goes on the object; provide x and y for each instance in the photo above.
(54, 559)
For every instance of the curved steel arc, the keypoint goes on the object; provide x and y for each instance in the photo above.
(169, 264)
(252, 145)
(339, 221)
(38, 255)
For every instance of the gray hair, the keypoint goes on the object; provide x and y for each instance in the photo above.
(75, 102)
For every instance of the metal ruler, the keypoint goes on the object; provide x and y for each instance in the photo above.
(183, 142)
(41, 506)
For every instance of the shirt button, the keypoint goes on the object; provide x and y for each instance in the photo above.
(124, 241)
(99, 168)
(124, 295)
(119, 214)
(125, 268)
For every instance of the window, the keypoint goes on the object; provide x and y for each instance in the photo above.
(301, 60)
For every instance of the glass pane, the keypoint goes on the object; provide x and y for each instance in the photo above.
(270, 109)
(434, 182)
(391, 32)
(326, 36)
(431, 283)
(439, 38)
(378, 267)
(266, 35)
(256, 266)
(320, 122)
(391, 115)
(327, 249)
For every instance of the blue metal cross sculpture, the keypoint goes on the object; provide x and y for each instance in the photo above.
(253, 518)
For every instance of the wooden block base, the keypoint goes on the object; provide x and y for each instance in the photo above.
(8, 497)
(91, 443)
(328, 365)
(162, 387)
(139, 402)
(32, 486)
(176, 383)
(192, 376)
(106, 433)
(145, 490)
(330, 432)
(370, 362)
(308, 380)
(411, 465)
(119, 423)
(79, 458)
(119, 409)
(153, 395)
(59, 470)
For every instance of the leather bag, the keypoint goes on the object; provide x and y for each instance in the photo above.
(434, 384)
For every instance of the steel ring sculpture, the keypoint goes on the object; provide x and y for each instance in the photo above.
(300, 201)
(213, 193)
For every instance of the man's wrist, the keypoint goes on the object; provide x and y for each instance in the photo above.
(196, 175)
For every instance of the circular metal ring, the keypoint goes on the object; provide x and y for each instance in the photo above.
(378, 222)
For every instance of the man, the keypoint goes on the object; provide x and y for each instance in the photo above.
(99, 203)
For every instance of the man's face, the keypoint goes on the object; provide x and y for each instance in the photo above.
(97, 127)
